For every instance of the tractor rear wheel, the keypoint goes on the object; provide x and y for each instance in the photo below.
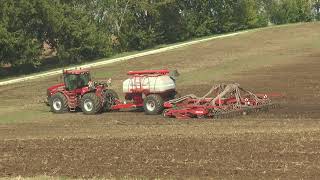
(153, 104)
(58, 103)
(112, 93)
(90, 104)
(111, 96)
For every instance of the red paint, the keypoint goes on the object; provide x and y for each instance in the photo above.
(125, 106)
(161, 72)
(194, 107)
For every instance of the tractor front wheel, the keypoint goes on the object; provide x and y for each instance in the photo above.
(153, 104)
(90, 104)
(58, 103)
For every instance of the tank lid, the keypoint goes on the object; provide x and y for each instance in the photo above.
(162, 72)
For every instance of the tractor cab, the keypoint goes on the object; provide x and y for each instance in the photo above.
(76, 79)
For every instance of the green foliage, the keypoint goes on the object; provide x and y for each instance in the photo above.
(27, 24)
(252, 14)
(316, 9)
(77, 38)
(291, 11)
(18, 46)
(198, 17)
(139, 31)
(171, 27)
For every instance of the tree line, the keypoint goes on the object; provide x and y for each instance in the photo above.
(82, 30)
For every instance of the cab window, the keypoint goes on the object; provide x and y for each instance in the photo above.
(71, 81)
(84, 80)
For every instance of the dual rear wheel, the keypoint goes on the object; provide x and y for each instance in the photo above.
(90, 104)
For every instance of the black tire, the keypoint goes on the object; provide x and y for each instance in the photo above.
(153, 104)
(112, 93)
(174, 95)
(58, 103)
(90, 104)
(110, 96)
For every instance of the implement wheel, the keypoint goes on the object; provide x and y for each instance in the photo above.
(153, 104)
(90, 104)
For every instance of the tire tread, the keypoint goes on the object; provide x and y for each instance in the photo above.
(96, 103)
(159, 104)
(64, 104)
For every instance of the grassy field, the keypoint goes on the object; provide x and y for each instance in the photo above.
(283, 143)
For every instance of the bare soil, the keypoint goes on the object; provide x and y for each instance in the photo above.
(289, 156)
(283, 143)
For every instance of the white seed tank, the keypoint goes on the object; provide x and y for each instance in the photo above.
(155, 84)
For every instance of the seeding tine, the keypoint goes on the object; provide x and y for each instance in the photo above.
(275, 106)
(227, 116)
(221, 116)
(243, 111)
(248, 111)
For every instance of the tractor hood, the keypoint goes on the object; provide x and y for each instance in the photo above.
(55, 88)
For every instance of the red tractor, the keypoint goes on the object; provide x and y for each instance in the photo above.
(143, 89)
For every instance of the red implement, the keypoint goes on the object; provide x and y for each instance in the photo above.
(228, 100)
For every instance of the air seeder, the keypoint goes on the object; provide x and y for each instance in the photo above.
(143, 89)
(154, 91)
(224, 100)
